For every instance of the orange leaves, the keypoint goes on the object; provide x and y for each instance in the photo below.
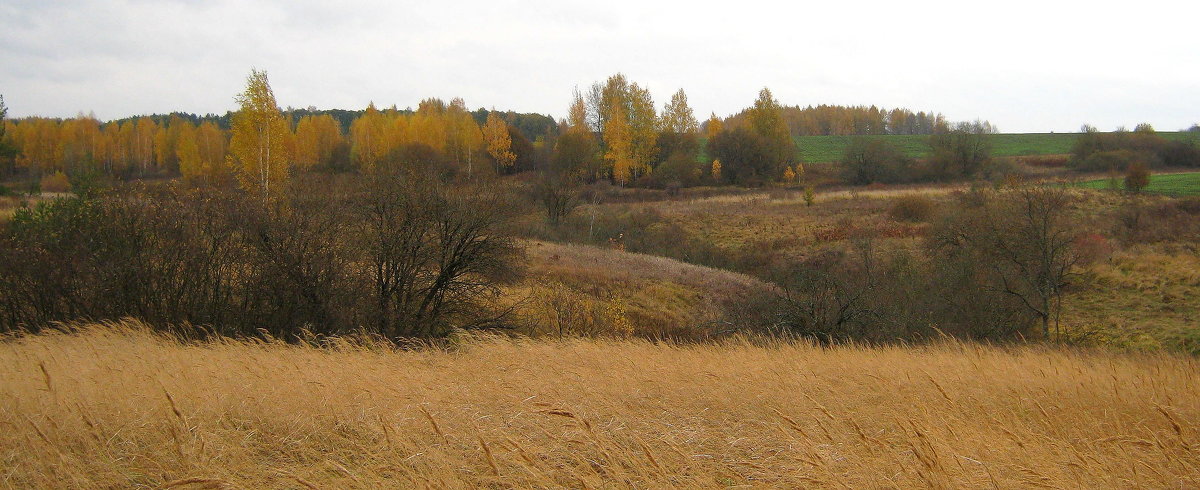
(499, 144)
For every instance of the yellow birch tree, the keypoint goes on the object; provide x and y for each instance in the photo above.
(258, 149)
(499, 144)
(713, 127)
(620, 152)
(369, 139)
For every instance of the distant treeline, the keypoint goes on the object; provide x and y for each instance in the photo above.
(189, 145)
(532, 125)
(834, 120)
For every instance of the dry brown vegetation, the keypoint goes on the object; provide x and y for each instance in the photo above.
(121, 407)
(586, 290)
(1142, 298)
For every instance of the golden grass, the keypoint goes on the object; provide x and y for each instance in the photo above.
(1143, 298)
(118, 407)
(655, 296)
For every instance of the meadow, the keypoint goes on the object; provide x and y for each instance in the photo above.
(118, 406)
(825, 149)
(1175, 185)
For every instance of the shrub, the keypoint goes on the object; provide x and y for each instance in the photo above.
(868, 161)
(912, 208)
(404, 255)
(1137, 178)
(1118, 160)
(56, 182)
(1180, 154)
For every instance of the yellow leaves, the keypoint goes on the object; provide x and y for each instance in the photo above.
(630, 128)
(463, 136)
(789, 175)
(370, 139)
(677, 116)
(716, 170)
(619, 137)
(713, 127)
(447, 129)
(317, 137)
(766, 119)
(201, 153)
(187, 151)
(499, 144)
(142, 142)
(259, 148)
(577, 114)
(618, 318)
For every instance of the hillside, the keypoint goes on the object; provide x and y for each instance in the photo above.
(528, 414)
(824, 149)
(580, 289)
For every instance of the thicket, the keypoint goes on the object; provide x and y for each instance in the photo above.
(957, 152)
(400, 254)
(1107, 152)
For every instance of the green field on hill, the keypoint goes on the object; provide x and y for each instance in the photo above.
(822, 149)
(1175, 185)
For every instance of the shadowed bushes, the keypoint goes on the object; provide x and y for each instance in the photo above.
(403, 255)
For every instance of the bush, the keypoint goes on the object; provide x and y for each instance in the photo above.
(679, 170)
(745, 157)
(1180, 154)
(912, 208)
(868, 161)
(56, 182)
(1137, 178)
(1119, 160)
(399, 256)
(1095, 151)
(962, 151)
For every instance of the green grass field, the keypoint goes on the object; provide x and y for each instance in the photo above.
(1176, 185)
(822, 149)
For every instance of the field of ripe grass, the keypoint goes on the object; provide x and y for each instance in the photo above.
(822, 149)
(119, 407)
(1175, 185)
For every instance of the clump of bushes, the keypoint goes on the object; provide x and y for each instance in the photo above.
(398, 256)
(56, 182)
(912, 208)
(1096, 152)
(1115, 160)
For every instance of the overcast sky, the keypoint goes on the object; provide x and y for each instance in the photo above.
(1026, 66)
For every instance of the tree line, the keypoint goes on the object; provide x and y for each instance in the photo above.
(197, 147)
(396, 251)
(633, 143)
(834, 120)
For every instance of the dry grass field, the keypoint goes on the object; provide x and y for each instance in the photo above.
(1141, 298)
(119, 407)
(581, 289)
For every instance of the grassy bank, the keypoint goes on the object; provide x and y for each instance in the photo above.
(1175, 185)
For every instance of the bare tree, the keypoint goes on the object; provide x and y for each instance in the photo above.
(434, 252)
(1025, 241)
